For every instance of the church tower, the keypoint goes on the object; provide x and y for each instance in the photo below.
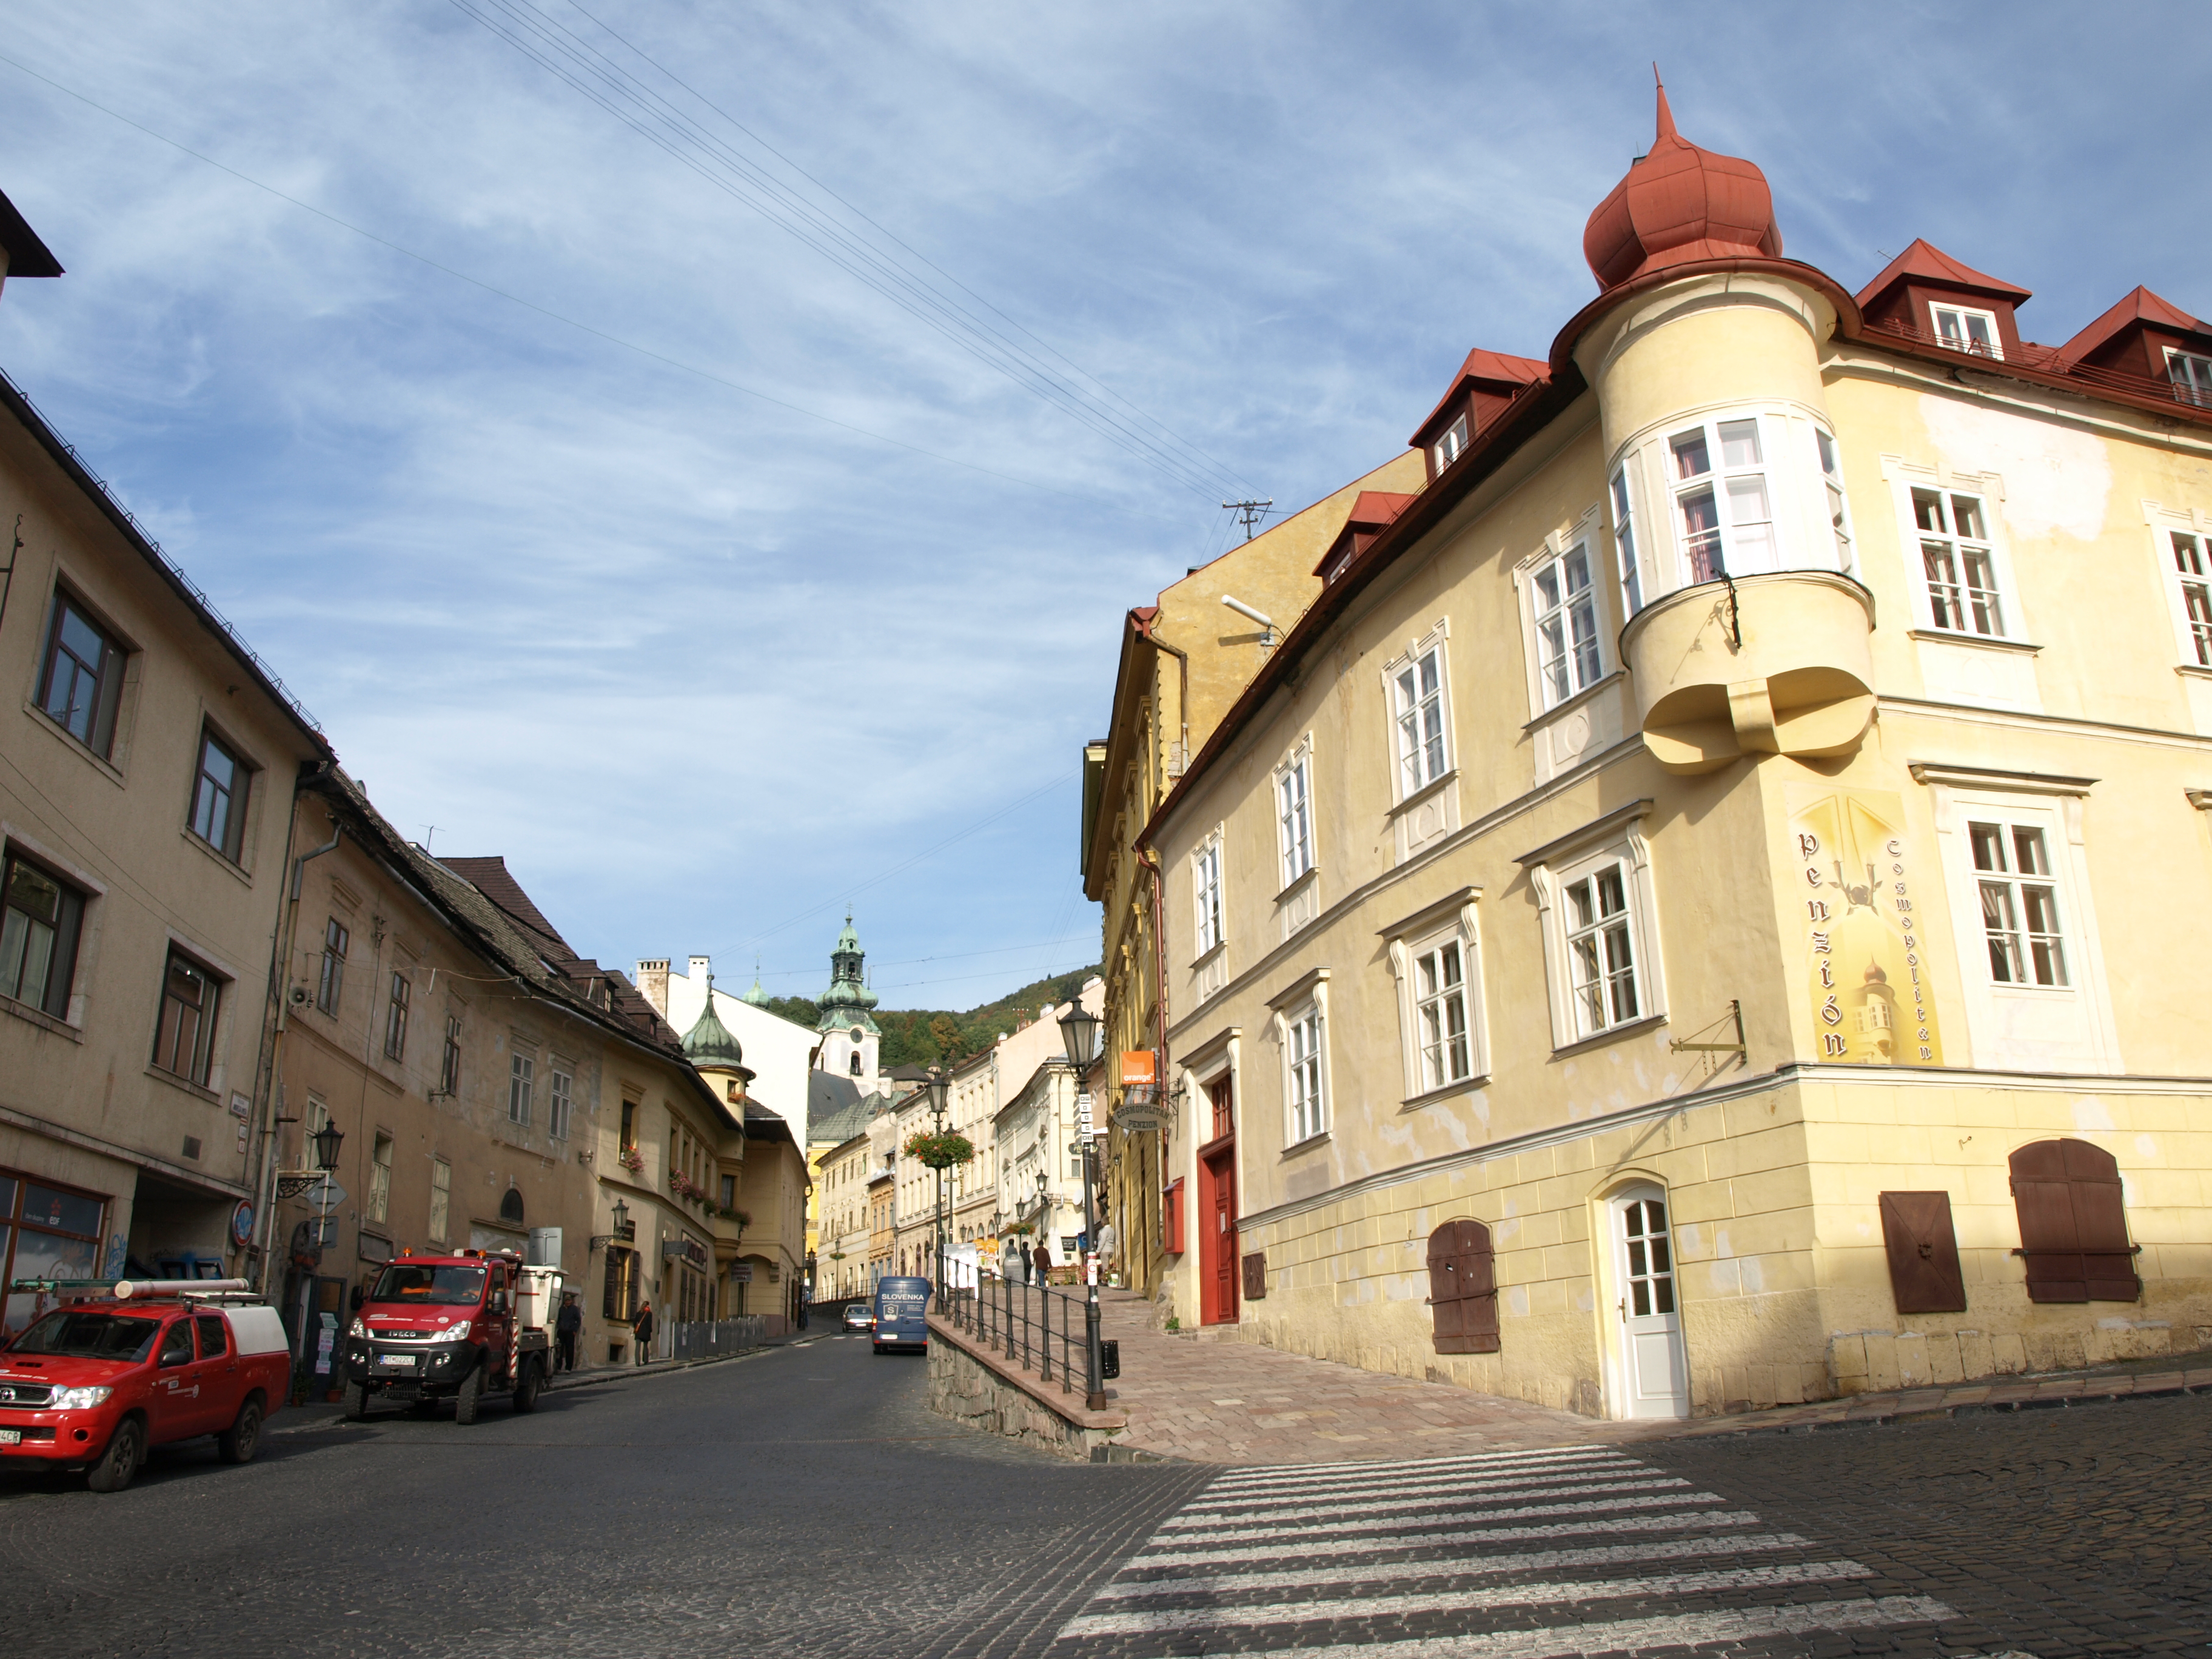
(849, 1034)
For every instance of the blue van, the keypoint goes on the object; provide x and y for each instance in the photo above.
(901, 1305)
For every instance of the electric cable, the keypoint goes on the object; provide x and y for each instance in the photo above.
(571, 322)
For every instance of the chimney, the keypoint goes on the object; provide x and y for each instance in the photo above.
(700, 967)
(21, 252)
(653, 982)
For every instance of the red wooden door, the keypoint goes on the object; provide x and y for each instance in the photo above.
(1218, 1287)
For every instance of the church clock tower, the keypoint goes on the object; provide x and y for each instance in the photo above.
(849, 1034)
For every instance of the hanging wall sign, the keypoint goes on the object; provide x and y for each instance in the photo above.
(1857, 893)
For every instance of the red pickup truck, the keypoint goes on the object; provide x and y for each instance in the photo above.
(98, 1381)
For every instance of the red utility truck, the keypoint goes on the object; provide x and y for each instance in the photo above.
(113, 1372)
(453, 1326)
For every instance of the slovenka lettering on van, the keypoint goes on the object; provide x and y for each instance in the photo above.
(901, 1305)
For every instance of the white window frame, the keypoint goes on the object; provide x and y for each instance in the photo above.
(1621, 502)
(1736, 537)
(1294, 822)
(1301, 1033)
(1453, 442)
(2015, 1024)
(2194, 386)
(1413, 767)
(1208, 912)
(1838, 501)
(2023, 916)
(1987, 489)
(1963, 339)
(1613, 842)
(1452, 924)
(1581, 663)
(1954, 548)
(2184, 556)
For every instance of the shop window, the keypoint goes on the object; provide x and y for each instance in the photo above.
(81, 676)
(1463, 1288)
(40, 925)
(2073, 1224)
(46, 1231)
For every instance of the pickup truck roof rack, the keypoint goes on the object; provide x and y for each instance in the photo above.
(139, 1290)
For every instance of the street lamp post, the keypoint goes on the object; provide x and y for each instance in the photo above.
(1078, 1030)
(937, 1087)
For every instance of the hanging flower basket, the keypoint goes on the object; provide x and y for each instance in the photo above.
(631, 1160)
(939, 1151)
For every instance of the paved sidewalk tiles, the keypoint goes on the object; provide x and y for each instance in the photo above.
(1209, 1400)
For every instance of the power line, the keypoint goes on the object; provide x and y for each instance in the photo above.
(860, 214)
(567, 321)
(661, 124)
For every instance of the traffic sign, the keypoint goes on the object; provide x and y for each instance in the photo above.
(325, 1195)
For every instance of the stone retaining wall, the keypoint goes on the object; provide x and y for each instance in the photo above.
(971, 1386)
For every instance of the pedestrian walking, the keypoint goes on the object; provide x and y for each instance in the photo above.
(567, 1325)
(641, 1328)
(1043, 1260)
(1016, 1256)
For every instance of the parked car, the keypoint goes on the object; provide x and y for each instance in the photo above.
(858, 1317)
(98, 1382)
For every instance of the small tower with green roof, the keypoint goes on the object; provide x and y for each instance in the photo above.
(849, 1034)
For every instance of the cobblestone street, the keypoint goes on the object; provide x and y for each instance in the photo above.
(821, 1511)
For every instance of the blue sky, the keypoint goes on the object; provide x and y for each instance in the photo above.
(705, 668)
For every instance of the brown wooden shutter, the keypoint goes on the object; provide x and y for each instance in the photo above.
(1923, 1253)
(1255, 1276)
(2073, 1224)
(1463, 1288)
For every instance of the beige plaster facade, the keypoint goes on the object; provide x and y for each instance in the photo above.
(1677, 945)
(142, 889)
(1184, 660)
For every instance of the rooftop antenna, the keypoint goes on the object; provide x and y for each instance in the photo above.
(1249, 513)
(429, 835)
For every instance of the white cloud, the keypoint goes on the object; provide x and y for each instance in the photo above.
(695, 662)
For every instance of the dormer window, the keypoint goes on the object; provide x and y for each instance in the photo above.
(2191, 376)
(1967, 331)
(1453, 444)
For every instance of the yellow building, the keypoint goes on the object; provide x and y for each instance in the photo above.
(1184, 659)
(1688, 918)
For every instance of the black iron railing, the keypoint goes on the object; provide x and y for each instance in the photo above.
(1042, 1330)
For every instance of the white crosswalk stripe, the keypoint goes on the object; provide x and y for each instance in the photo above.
(1475, 1558)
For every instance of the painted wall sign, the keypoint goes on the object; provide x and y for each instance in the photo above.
(1856, 891)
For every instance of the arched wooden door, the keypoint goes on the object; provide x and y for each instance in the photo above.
(1463, 1288)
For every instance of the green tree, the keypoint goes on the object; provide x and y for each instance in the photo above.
(945, 1034)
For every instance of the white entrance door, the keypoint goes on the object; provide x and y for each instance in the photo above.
(1655, 1369)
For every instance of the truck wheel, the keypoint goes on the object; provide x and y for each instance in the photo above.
(242, 1438)
(125, 1451)
(471, 1395)
(354, 1404)
(525, 1392)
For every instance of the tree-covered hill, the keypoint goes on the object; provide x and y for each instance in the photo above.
(920, 1036)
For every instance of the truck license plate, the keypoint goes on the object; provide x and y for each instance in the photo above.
(396, 1362)
(11, 1436)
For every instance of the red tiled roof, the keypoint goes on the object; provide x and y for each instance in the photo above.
(2139, 304)
(1924, 260)
(1482, 366)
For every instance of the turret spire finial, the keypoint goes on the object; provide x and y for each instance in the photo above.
(1666, 115)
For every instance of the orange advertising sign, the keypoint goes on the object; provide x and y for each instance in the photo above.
(1137, 1066)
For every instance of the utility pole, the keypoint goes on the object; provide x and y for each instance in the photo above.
(1249, 513)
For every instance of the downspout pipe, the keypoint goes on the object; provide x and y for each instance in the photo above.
(280, 970)
(1182, 695)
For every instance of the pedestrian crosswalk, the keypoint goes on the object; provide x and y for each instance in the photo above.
(1504, 1555)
